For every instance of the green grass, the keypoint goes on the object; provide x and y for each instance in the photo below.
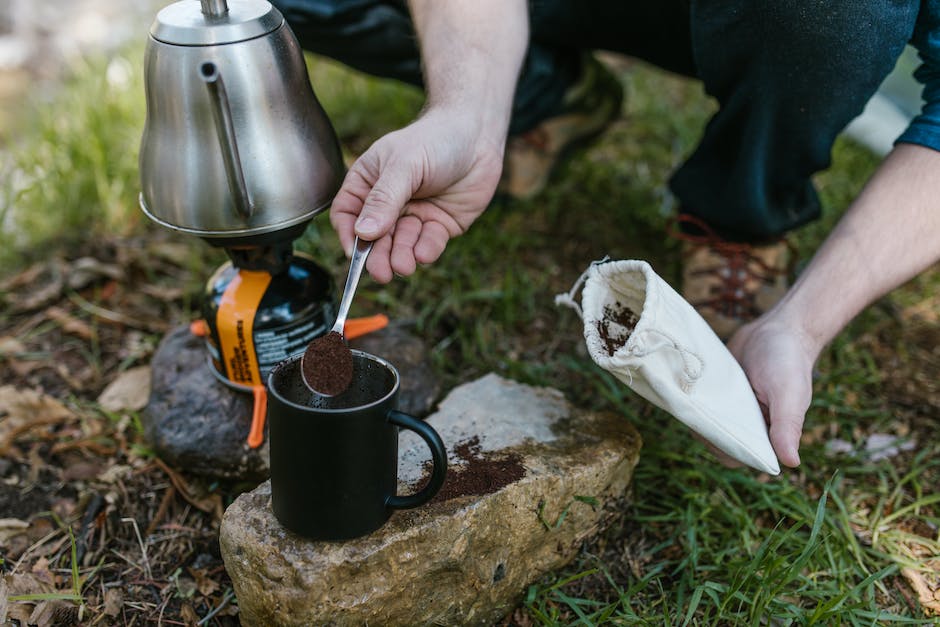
(700, 544)
(74, 162)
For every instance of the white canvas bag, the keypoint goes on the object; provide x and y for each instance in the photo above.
(671, 357)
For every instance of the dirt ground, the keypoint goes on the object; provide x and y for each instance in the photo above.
(67, 462)
(78, 486)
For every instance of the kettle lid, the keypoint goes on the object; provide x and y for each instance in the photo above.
(213, 22)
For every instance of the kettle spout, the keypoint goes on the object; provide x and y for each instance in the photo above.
(226, 131)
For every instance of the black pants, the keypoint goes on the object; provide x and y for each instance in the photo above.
(788, 77)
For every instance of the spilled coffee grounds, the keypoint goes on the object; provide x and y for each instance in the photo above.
(621, 315)
(327, 364)
(481, 473)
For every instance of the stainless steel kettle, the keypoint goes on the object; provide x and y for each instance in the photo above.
(236, 146)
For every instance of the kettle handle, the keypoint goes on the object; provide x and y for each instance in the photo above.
(222, 113)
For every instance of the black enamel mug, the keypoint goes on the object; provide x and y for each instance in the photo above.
(334, 460)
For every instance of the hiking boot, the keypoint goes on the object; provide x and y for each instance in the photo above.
(588, 107)
(731, 283)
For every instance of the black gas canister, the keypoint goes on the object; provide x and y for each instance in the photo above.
(259, 315)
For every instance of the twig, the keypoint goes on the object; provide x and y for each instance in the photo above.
(19, 430)
(911, 605)
(225, 600)
(29, 324)
(116, 317)
(182, 529)
(159, 539)
(34, 546)
(101, 616)
(88, 444)
(215, 507)
(143, 549)
(90, 512)
(161, 510)
(163, 605)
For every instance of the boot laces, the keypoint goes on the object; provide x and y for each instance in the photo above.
(738, 270)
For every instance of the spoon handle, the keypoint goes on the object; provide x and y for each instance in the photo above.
(361, 251)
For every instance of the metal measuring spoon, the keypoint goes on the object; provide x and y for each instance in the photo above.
(326, 366)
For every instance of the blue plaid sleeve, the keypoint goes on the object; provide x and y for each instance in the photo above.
(925, 127)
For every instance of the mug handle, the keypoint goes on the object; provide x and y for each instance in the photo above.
(438, 459)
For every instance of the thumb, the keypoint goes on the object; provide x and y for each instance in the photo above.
(786, 426)
(384, 202)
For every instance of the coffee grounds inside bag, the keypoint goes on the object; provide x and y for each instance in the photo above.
(615, 337)
(328, 367)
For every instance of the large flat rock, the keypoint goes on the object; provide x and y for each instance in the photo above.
(531, 479)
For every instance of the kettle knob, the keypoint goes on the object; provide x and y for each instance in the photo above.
(214, 8)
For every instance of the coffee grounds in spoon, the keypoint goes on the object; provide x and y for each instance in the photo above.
(328, 364)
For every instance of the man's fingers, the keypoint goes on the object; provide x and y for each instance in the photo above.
(431, 244)
(786, 426)
(378, 263)
(406, 236)
(343, 216)
(785, 438)
(385, 201)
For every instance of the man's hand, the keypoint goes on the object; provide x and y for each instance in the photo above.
(415, 189)
(890, 233)
(778, 359)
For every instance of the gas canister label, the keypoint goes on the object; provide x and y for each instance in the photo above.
(275, 345)
(234, 321)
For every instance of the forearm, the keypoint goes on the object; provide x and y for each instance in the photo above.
(889, 234)
(472, 52)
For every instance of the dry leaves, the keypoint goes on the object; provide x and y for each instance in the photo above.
(31, 608)
(77, 329)
(45, 282)
(10, 528)
(86, 270)
(912, 542)
(211, 503)
(130, 390)
(25, 410)
(920, 560)
(926, 584)
(10, 347)
(70, 324)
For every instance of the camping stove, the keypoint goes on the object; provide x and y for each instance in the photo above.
(266, 304)
(261, 308)
(237, 150)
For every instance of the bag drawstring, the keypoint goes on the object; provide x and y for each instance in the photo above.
(693, 365)
(691, 371)
(568, 298)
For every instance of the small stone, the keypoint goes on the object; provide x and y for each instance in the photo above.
(881, 446)
(193, 420)
(466, 559)
(420, 385)
(838, 446)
